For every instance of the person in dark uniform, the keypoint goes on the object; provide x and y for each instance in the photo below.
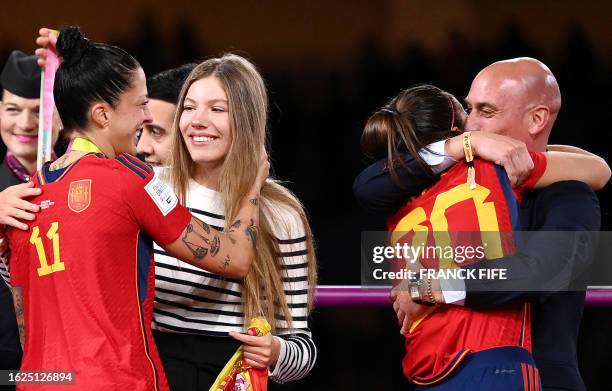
(20, 80)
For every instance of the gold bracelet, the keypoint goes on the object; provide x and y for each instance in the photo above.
(469, 158)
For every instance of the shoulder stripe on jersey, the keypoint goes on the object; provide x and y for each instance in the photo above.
(139, 167)
(137, 162)
(40, 177)
(121, 159)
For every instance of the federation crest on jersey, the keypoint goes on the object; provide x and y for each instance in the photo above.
(79, 195)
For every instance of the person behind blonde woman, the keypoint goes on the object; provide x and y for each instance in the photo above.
(156, 138)
(220, 131)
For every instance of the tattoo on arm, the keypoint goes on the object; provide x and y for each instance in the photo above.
(235, 225)
(232, 229)
(18, 303)
(215, 246)
(200, 244)
(251, 233)
(205, 226)
(254, 201)
(225, 263)
(191, 237)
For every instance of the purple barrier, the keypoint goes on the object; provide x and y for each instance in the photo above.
(355, 295)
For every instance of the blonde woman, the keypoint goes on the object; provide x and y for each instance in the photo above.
(220, 132)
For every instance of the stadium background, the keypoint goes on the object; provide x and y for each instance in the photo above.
(328, 65)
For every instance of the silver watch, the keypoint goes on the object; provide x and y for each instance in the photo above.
(418, 294)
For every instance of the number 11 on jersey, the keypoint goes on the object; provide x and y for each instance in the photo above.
(53, 235)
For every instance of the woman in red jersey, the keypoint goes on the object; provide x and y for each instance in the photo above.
(445, 348)
(81, 275)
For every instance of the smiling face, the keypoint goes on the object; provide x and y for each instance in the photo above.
(127, 119)
(498, 104)
(205, 122)
(19, 126)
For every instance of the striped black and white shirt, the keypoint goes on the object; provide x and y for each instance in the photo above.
(191, 300)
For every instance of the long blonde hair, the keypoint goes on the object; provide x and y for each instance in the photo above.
(248, 111)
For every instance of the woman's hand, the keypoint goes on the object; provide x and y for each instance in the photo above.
(263, 170)
(45, 39)
(14, 207)
(259, 352)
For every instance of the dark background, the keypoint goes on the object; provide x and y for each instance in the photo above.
(328, 65)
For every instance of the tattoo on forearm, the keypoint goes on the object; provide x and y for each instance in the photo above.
(225, 263)
(232, 229)
(254, 201)
(251, 233)
(215, 246)
(205, 226)
(191, 239)
(18, 303)
(235, 225)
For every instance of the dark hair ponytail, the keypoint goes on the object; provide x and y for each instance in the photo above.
(90, 72)
(72, 46)
(377, 133)
(415, 118)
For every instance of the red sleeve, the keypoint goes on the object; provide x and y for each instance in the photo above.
(17, 264)
(152, 201)
(539, 167)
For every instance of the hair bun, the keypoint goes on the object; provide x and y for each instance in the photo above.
(72, 45)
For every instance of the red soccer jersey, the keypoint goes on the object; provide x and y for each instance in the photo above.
(84, 266)
(438, 342)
